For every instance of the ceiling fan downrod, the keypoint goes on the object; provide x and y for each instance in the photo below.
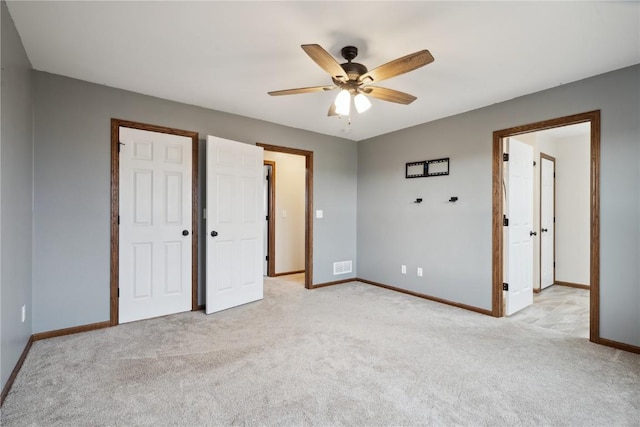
(353, 69)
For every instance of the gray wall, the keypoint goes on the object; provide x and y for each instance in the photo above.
(16, 169)
(72, 189)
(452, 241)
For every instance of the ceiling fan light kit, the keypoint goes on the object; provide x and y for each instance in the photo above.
(354, 79)
(361, 102)
(343, 103)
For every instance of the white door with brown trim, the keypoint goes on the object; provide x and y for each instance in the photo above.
(155, 237)
(235, 221)
(547, 221)
(265, 244)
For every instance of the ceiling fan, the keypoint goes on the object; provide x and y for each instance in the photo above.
(355, 79)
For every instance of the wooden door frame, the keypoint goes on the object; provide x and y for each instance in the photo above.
(553, 160)
(308, 228)
(592, 117)
(115, 208)
(271, 222)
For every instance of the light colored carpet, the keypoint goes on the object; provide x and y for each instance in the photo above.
(350, 354)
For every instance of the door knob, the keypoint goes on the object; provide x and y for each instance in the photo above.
(185, 232)
(214, 233)
(543, 230)
(533, 233)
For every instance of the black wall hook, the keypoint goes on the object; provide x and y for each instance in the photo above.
(453, 199)
(418, 201)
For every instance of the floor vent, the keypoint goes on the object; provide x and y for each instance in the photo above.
(342, 267)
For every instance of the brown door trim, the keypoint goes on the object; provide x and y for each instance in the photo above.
(593, 117)
(553, 160)
(271, 222)
(115, 207)
(308, 228)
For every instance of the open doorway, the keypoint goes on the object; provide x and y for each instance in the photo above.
(289, 222)
(501, 222)
(560, 228)
(284, 213)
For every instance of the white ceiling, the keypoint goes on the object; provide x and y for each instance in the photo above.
(227, 55)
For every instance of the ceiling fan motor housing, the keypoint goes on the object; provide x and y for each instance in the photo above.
(353, 69)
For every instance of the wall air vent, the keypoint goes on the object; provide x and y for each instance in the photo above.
(342, 267)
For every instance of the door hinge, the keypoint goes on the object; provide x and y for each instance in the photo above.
(266, 258)
(119, 145)
(118, 219)
(554, 264)
(118, 292)
(554, 174)
(554, 219)
(505, 157)
(505, 286)
(505, 221)
(534, 163)
(267, 217)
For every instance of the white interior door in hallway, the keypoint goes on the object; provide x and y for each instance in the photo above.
(547, 221)
(519, 207)
(235, 221)
(267, 207)
(155, 232)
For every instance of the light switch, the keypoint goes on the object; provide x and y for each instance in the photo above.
(319, 214)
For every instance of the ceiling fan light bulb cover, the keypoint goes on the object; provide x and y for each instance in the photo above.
(362, 103)
(342, 103)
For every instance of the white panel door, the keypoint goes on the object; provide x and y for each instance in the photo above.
(155, 224)
(520, 214)
(547, 226)
(235, 209)
(265, 246)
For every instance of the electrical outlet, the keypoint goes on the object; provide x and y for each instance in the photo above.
(419, 271)
(24, 313)
(403, 270)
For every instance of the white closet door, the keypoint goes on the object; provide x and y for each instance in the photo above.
(235, 209)
(155, 224)
(547, 225)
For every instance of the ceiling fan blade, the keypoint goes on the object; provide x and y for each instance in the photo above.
(325, 61)
(390, 95)
(332, 110)
(397, 67)
(301, 90)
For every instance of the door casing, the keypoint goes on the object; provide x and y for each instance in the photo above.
(271, 222)
(592, 117)
(115, 208)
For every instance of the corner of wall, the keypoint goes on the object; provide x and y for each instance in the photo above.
(16, 198)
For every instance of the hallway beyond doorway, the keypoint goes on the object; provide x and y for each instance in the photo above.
(560, 308)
